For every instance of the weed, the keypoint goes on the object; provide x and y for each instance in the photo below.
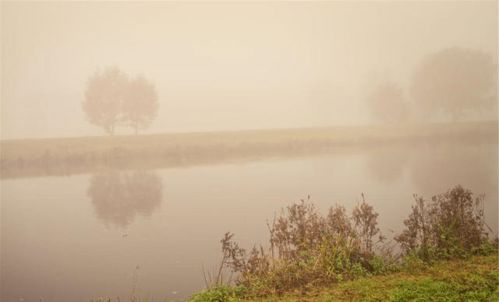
(451, 225)
(308, 251)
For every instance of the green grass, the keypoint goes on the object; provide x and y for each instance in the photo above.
(473, 279)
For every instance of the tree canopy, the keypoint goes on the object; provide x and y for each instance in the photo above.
(140, 104)
(454, 82)
(114, 99)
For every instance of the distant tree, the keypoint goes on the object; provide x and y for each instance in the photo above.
(103, 98)
(140, 104)
(113, 99)
(455, 81)
(386, 103)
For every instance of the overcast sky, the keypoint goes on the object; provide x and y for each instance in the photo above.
(223, 66)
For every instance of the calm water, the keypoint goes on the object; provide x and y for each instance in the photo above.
(150, 233)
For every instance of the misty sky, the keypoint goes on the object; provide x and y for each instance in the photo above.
(223, 66)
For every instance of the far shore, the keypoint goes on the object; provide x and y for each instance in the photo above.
(67, 156)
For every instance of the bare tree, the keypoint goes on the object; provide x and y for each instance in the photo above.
(103, 98)
(386, 103)
(140, 104)
(455, 81)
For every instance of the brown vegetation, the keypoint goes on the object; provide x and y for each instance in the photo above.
(308, 250)
(66, 156)
(448, 225)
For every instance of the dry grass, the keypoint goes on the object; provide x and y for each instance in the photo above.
(63, 156)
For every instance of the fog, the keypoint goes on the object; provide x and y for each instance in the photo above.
(133, 136)
(223, 66)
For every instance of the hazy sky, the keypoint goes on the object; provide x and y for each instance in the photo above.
(223, 66)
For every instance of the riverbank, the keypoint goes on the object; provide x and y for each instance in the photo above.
(67, 156)
(473, 279)
(445, 252)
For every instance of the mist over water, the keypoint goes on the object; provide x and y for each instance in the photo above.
(134, 135)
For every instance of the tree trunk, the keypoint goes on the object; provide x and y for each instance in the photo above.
(109, 130)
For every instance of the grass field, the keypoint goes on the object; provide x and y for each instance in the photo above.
(65, 156)
(474, 279)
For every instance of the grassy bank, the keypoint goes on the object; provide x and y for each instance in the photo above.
(473, 279)
(66, 156)
(445, 252)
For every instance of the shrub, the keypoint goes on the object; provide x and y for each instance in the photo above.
(308, 249)
(451, 225)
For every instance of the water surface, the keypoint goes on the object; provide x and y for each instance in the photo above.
(149, 233)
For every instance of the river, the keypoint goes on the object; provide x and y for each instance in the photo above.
(151, 233)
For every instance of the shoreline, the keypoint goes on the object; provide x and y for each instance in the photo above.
(69, 156)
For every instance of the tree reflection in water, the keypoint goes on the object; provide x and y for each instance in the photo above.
(433, 167)
(387, 165)
(118, 196)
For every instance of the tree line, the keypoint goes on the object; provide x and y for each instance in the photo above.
(451, 83)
